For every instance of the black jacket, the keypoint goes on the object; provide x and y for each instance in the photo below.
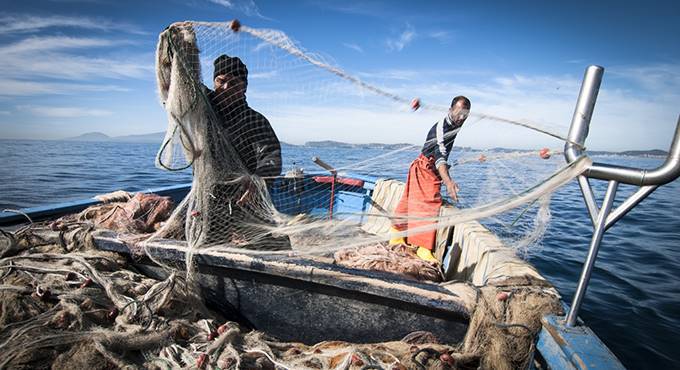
(251, 135)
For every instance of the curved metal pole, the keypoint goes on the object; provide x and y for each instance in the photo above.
(578, 132)
(580, 122)
(592, 253)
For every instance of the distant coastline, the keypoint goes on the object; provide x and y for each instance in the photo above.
(157, 138)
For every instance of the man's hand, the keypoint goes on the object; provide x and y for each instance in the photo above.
(452, 189)
(221, 84)
(248, 191)
(451, 186)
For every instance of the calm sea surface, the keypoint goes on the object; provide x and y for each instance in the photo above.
(632, 303)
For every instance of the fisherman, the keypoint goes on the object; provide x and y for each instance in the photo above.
(249, 131)
(422, 194)
(259, 150)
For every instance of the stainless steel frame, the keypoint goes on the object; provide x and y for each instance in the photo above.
(604, 218)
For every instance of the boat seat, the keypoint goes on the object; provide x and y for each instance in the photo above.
(483, 258)
(386, 196)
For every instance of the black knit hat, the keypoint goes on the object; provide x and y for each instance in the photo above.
(226, 65)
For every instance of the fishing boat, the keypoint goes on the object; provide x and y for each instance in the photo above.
(313, 299)
(487, 301)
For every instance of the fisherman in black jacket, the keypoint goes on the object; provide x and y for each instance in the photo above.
(252, 139)
(249, 131)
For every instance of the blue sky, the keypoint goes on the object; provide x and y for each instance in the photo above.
(69, 67)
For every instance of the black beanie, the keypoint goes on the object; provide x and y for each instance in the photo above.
(226, 65)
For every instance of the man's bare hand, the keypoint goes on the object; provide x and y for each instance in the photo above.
(452, 189)
(221, 84)
(248, 191)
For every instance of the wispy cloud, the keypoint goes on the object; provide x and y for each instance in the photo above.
(660, 78)
(263, 75)
(422, 74)
(442, 36)
(4, 113)
(50, 43)
(402, 40)
(392, 74)
(49, 57)
(357, 8)
(63, 112)
(247, 7)
(24, 23)
(353, 46)
(14, 87)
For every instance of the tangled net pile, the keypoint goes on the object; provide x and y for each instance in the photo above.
(67, 305)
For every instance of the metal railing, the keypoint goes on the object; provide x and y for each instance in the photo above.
(603, 218)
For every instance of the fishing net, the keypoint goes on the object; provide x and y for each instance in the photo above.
(248, 188)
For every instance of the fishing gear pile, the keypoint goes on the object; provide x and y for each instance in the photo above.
(66, 305)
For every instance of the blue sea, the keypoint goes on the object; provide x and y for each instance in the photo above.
(632, 303)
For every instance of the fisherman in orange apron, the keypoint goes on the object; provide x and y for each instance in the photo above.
(422, 194)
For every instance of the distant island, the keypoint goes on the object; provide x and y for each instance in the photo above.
(635, 153)
(339, 144)
(157, 137)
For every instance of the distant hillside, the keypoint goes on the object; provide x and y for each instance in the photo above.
(339, 144)
(90, 136)
(636, 153)
(155, 137)
(646, 153)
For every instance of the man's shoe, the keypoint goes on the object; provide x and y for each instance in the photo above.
(425, 254)
(396, 239)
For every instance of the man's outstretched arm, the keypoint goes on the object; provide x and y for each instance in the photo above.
(451, 186)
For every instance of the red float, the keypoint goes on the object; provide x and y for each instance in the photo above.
(235, 25)
(415, 104)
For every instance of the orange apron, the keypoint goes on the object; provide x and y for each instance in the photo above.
(421, 198)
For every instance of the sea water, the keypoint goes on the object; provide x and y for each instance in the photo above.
(632, 302)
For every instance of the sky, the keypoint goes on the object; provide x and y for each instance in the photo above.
(69, 67)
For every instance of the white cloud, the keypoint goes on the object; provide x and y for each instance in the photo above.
(353, 46)
(441, 36)
(635, 118)
(247, 7)
(13, 87)
(660, 78)
(265, 75)
(24, 23)
(63, 112)
(362, 8)
(405, 38)
(4, 113)
(50, 57)
(51, 43)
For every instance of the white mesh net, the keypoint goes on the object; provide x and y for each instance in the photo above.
(239, 148)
